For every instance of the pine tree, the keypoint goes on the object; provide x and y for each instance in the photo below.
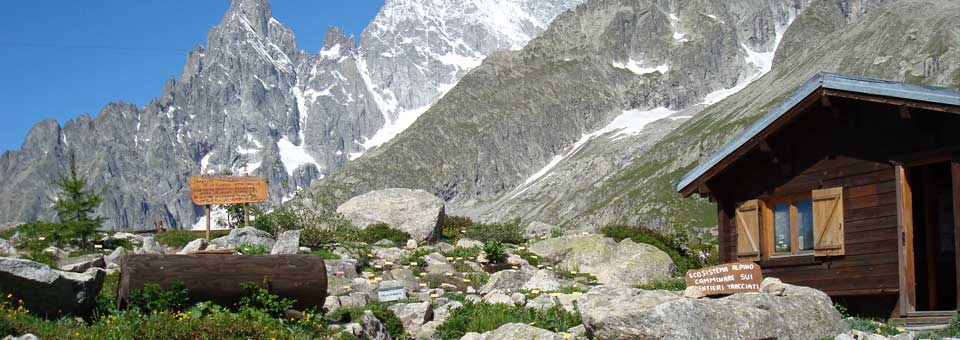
(75, 205)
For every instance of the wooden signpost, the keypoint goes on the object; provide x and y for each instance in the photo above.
(222, 190)
(730, 278)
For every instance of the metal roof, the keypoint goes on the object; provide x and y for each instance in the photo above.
(940, 95)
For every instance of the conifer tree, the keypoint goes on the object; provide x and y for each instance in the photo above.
(75, 205)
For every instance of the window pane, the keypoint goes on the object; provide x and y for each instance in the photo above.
(805, 223)
(781, 228)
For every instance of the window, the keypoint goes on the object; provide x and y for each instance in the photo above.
(790, 223)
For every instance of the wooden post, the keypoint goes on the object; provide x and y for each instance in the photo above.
(907, 282)
(206, 211)
(246, 214)
(955, 171)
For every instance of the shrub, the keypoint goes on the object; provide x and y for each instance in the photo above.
(107, 298)
(675, 284)
(507, 232)
(381, 231)
(42, 257)
(323, 236)
(323, 253)
(454, 225)
(253, 249)
(153, 298)
(39, 235)
(483, 317)
(353, 314)
(258, 297)
(495, 252)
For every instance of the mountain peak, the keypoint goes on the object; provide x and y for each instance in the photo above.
(257, 12)
(335, 36)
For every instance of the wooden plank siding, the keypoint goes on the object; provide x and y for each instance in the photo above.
(870, 216)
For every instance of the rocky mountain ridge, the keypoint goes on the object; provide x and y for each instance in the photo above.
(252, 102)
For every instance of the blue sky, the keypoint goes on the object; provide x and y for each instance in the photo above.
(64, 58)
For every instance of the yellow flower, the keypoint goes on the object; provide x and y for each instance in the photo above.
(9, 296)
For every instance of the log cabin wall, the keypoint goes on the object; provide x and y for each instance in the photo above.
(870, 216)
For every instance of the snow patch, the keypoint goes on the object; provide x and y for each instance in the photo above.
(218, 219)
(393, 127)
(330, 53)
(460, 61)
(205, 162)
(294, 156)
(635, 67)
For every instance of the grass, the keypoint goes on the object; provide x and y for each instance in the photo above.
(674, 284)
(42, 257)
(325, 254)
(180, 238)
(483, 317)
(381, 231)
(506, 232)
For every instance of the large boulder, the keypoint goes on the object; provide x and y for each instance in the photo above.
(373, 328)
(48, 292)
(149, 246)
(515, 331)
(417, 212)
(287, 243)
(801, 313)
(245, 236)
(514, 280)
(623, 264)
(193, 247)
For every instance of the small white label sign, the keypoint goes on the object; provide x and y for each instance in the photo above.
(392, 294)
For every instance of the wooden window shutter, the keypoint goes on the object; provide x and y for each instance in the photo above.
(828, 222)
(748, 231)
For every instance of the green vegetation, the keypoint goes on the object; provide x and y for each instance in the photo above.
(253, 249)
(506, 232)
(75, 206)
(41, 257)
(676, 284)
(381, 231)
(685, 255)
(495, 252)
(325, 254)
(259, 298)
(454, 226)
(483, 317)
(353, 314)
(180, 238)
(153, 298)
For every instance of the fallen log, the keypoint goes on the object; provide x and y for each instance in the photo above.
(217, 277)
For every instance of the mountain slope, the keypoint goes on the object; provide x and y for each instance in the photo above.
(251, 101)
(607, 61)
(593, 122)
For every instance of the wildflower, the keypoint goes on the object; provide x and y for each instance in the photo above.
(9, 296)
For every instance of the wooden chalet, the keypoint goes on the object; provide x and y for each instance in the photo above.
(851, 186)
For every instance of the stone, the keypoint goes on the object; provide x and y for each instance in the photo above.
(506, 280)
(249, 236)
(391, 254)
(411, 244)
(305, 249)
(384, 243)
(57, 252)
(438, 264)
(193, 247)
(416, 212)
(497, 297)
(515, 260)
(149, 246)
(403, 277)
(127, 236)
(858, 335)
(331, 304)
(81, 263)
(443, 311)
(444, 247)
(473, 298)
(113, 260)
(429, 330)
(623, 264)
(627, 313)
(373, 328)
(772, 285)
(346, 268)
(518, 299)
(354, 328)
(544, 280)
(27, 336)
(287, 243)
(50, 292)
(910, 336)
(537, 230)
(517, 331)
(542, 301)
(355, 299)
(468, 243)
(412, 315)
(694, 293)
(7, 249)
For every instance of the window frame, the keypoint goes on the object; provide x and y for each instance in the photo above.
(767, 225)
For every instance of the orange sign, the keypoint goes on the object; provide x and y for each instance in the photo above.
(730, 278)
(218, 190)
